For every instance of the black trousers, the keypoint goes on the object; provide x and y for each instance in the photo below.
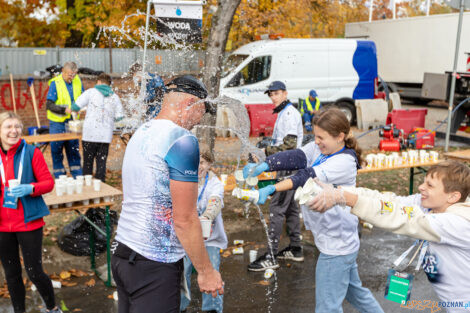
(146, 286)
(30, 243)
(95, 151)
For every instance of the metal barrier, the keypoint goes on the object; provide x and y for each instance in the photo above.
(21, 61)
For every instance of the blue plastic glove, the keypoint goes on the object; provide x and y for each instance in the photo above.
(258, 169)
(22, 190)
(264, 193)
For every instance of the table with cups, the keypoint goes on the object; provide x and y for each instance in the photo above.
(78, 194)
(412, 159)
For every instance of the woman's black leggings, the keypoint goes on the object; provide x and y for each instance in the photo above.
(31, 248)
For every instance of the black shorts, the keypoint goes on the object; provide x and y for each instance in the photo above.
(143, 285)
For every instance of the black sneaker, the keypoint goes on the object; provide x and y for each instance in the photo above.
(291, 253)
(263, 263)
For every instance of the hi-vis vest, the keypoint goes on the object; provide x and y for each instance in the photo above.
(63, 96)
(309, 105)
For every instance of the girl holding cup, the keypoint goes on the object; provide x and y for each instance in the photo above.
(334, 157)
(209, 205)
(21, 213)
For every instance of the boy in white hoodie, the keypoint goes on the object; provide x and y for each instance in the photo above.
(438, 214)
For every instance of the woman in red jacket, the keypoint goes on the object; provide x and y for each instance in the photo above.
(21, 213)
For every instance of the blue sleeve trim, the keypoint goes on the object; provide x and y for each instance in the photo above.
(301, 177)
(52, 93)
(183, 159)
(287, 160)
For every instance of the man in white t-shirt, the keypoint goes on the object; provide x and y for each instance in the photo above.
(287, 135)
(439, 214)
(103, 109)
(159, 221)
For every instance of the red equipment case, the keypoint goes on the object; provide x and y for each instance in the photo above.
(421, 138)
(262, 119)
(407, 119)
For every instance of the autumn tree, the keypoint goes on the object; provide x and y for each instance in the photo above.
(30, 24)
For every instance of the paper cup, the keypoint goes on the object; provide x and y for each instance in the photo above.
(249, 195)
(223, 179)
(253, 255)
(70, 188)
(79, 186)
(251, 182)
(13, 183)
(69, 204)
(55, 206)
(62, 177)
(60, 189)
(311, 187)
(80, 178)
(433, 156)
(239, 178)
(206, 227)
(96, 200)
(370, 161)
(96, 184)
(86, 202)
(238, 250)
(88, 180)
(298, 193)
(305, 198)
(268, 273)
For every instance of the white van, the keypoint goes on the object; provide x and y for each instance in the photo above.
(340, 70)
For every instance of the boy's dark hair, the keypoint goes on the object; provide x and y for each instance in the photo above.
(455, 176)
(104, 78)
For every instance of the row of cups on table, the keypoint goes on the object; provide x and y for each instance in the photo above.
(69, 185)
(410, 157)
(86, 202)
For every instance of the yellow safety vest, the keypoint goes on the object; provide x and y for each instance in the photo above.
(309, 105)
(63, 96)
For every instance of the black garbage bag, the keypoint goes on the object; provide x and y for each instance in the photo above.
(75, 236)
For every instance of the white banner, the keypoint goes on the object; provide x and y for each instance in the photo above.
(179, 11)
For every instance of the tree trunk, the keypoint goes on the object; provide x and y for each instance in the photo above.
(220, 28)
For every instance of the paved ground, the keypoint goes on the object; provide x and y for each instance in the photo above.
(246, 291)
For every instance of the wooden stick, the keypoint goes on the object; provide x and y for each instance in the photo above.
(33, 96)
(13, 93)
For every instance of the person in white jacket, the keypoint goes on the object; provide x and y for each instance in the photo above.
(103, 108)
(438, 214)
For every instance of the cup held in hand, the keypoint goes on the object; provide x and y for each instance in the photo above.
(206, 227)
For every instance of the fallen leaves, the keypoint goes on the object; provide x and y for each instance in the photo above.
(4, 291)
(90, 283)
(263, 282)
(65, 275)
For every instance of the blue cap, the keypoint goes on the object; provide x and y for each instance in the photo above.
(313, 93)
(276, 85)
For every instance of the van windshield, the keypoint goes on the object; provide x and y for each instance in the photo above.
(232, 62)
